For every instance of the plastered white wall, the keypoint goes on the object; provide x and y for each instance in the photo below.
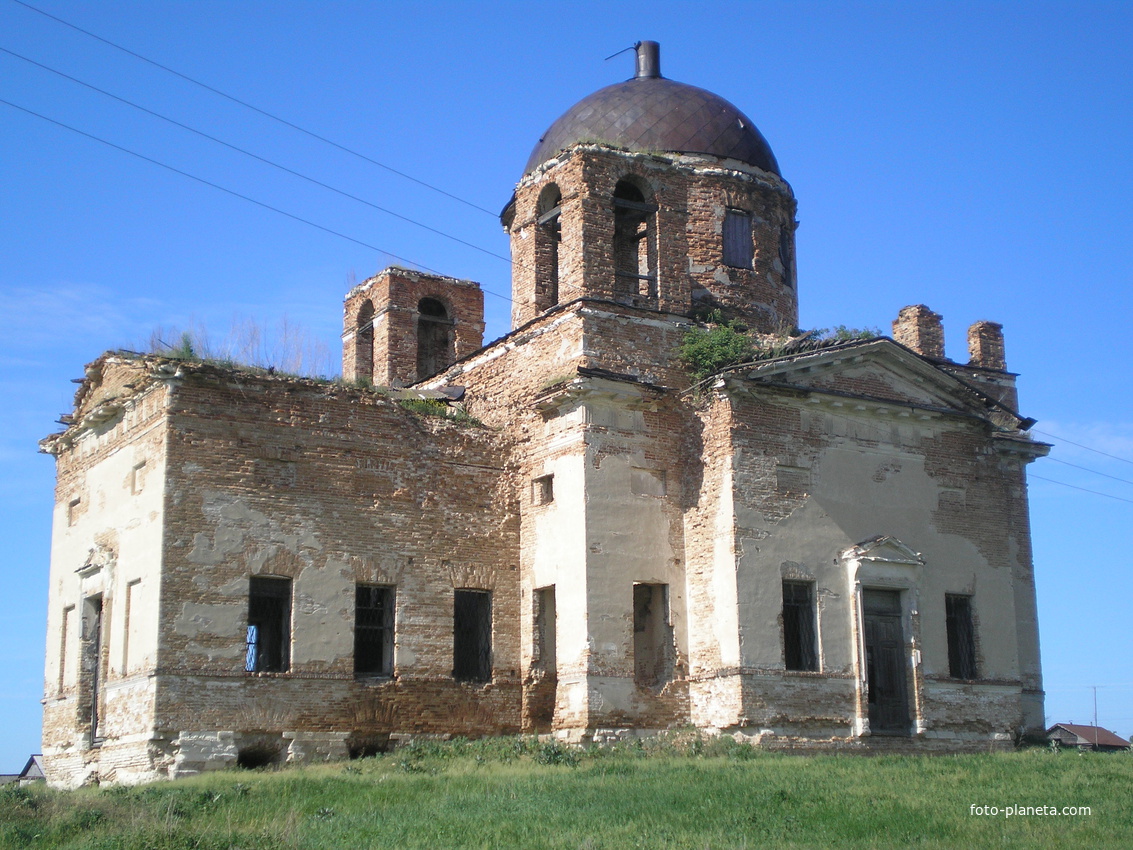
(852, 498)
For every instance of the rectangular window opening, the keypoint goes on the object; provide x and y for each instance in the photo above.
(961, 636)
(128, 622)
(64, 644)
(739, 249)
(543, 490)
(799, 635)
(73, 511)
(785, 255)
(544, 655)
(137, 478)
(472, 635)
(652, 635)
(647, 482)
(91, 668)
(268, 641)
(373, 630)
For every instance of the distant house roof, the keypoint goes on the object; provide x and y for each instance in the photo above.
(1089, 735)
(33, 769)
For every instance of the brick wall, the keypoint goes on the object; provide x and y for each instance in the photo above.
(330, 486)
(381, 321)
(920, 329)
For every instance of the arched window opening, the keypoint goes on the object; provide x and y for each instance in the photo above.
(434, 338)
(364, 342)
(635, 245)
(548, 256)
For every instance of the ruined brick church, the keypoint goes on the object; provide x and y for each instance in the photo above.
(827, 546)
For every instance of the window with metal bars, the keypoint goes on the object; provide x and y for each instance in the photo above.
(739, 250)
(373, 630)
(472, 635)
(799, 644)
(961, 636)
(267, 646)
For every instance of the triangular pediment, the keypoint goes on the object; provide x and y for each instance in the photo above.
(879, 370)
(884, 549)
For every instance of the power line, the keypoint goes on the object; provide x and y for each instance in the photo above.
(256, 109)
(390, 253)
(1031, 474)
(232, 192)
(271, 163)
(280, 167)
(256, 157)
(1081, 446)
(1094, 471)
(881, 433)
(1083, 489)
(1099, 687)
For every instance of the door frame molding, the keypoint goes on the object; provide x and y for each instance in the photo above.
(885, 563)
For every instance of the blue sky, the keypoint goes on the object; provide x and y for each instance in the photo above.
(974, 157)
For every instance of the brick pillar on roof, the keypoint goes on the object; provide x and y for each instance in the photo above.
(985, 345)
(920, 329)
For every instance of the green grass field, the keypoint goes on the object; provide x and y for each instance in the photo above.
(516, 792)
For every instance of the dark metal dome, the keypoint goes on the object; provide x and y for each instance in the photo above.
(650, 113)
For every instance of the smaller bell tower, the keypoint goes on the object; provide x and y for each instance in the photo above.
(401, 326)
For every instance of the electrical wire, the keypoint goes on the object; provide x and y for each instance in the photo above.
(1029, 474)
(267, 162)
(283, 168)
(352, 152)
(257, 157)
(1099, 687)
(882, 434)
(233, 192)
(341, 235)
(1081, 446)
(256, 109)
(348, 195)
(1083, 489)
(1094, 471)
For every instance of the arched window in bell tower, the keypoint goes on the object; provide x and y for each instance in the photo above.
(364, 342)
(635, 245)
(548, 257)
(434, 338)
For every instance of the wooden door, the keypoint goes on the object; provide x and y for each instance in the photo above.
(886, 679)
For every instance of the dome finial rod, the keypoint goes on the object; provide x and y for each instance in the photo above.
(623, 50)
(648, 59)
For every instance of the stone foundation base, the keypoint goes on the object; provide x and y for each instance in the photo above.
(192, 753)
